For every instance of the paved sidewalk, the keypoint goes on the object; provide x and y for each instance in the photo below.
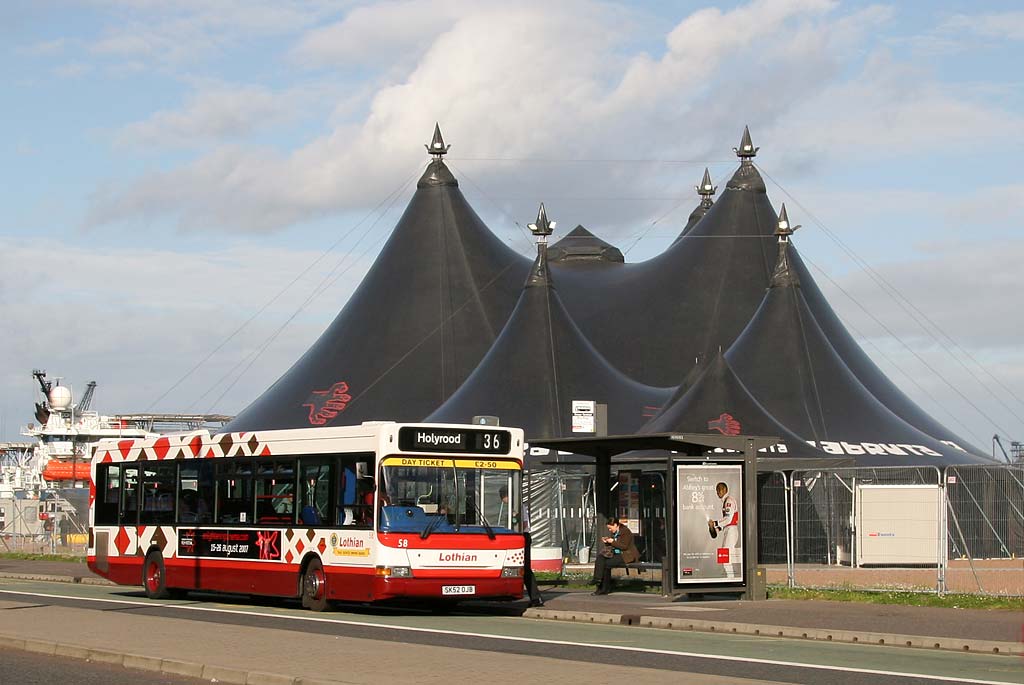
(893, 625)
(973, 630)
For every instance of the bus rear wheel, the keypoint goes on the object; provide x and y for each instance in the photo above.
(154, 576)
(314, 587)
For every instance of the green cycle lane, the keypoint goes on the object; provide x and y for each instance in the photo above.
(948, 665)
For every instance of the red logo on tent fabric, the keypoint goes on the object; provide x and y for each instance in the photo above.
(324, 405)
(725, 424)
(723, 555)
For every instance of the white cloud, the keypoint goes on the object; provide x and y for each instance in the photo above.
(45, 48)
(535, 81)
(213, 114)
(72, 70)
(529, 81)
(137, 319)
(998, 25)
(383, 33)
(184, 31)
(960, 286)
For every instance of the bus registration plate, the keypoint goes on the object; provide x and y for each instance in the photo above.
(458, 589)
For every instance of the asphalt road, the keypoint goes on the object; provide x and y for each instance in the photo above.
(408, 643)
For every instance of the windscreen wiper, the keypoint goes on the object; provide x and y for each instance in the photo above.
(434, 523)
(483, 519)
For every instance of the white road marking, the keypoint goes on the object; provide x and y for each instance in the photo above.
(513, 638)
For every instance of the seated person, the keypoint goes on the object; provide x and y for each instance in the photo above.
(619, 550)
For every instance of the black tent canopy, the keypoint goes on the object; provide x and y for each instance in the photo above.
(719, 403)
(423, 317)
(442, 327)
(653, 318)
(540, 363)
(785, 360)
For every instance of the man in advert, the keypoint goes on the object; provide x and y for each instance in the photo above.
(727, 528)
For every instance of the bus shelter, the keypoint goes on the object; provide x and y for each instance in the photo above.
(711, 535)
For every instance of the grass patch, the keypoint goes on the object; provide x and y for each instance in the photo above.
(27, 556)
(918, 599)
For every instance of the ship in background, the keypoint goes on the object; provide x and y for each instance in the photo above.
(44, 484)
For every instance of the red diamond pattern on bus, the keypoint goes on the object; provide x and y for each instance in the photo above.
(266, 451)
(122, 541)
(160, 447)
(195, 444)
(299, 546)
(125, 446)
(288, 557)
(322, 546)
(107, 458)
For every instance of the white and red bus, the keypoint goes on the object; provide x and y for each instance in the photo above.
(360, 513)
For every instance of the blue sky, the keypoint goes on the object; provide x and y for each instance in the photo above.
(172, 169)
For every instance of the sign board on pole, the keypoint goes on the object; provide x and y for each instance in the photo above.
(583, 416)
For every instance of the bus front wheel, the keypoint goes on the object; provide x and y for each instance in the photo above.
(314, 587)
(154, 577)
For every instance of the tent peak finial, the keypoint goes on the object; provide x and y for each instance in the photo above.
(436, 147)
(784, 274)
(706, 189)
(542, 228)
(746, 151)
(784, 230)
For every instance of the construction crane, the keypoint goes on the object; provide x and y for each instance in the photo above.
(1016, 449)
(86, 398)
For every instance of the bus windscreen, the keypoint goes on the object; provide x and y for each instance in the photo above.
(438, 495)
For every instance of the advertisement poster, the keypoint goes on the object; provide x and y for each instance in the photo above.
(709, 523)
(230, 544)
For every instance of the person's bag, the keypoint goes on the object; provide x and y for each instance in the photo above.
(607, 551)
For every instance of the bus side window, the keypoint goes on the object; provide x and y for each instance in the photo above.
(129, 512)
(353, 507)
(315, 490)
(108, 494)
(159, 482)
(235, 502)
(195, 492)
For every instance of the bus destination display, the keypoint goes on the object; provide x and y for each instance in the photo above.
(469, 440)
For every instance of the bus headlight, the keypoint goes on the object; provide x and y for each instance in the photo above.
(393, 572)
(512, 572)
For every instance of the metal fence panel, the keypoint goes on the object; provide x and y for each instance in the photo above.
(825, 528)
(773, 518)
(985, 528)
